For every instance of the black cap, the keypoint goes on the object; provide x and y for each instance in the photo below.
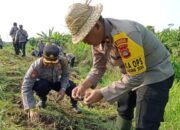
(51, 54)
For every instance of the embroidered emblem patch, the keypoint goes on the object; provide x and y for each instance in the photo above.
(34, 74)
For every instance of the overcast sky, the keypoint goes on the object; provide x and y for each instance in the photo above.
(41, 15)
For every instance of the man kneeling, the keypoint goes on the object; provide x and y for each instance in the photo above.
(47, 73)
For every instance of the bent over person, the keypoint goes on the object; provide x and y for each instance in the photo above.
(45, 74)
(144, 63)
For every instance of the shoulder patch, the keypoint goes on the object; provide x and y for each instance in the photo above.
(34, 73)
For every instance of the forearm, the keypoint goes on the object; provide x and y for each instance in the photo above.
(98, 69)
(87, 84)
(94, 76)
(28, 101)
(27, 94)
(114, 91)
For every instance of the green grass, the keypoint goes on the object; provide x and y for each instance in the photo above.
(58, 116)
(172, 112)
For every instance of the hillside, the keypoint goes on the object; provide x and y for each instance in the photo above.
(58, 115)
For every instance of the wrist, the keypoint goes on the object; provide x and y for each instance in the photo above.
(86, 84)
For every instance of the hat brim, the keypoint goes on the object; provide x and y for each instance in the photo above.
(50, 61)
(86, 28)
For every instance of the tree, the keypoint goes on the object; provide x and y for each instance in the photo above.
(55, 37)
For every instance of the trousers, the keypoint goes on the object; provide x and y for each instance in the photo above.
(150, 102)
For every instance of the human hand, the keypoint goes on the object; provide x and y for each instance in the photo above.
(93, 96)
(33, 115)
(79, 92)
(60, 95)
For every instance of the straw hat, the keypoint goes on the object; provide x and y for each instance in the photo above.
(81, 18)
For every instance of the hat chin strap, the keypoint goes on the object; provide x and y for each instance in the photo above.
(49, 61)
(49, 57)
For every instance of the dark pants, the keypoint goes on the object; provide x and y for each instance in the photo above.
(16, 46)
(1, 47)
(23, 48)
(150, 102)
(42, 88)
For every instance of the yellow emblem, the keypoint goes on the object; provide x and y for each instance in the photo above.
(132, 54)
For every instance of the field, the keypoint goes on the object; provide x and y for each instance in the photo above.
(58, 115)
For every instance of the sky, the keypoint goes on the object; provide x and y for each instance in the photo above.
(42, 15)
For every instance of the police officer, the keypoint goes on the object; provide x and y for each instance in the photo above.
(35, 52)
(144, 63)
(12, 33)
(21, 38)
(45, 74)
(71, 58)
(40, 47)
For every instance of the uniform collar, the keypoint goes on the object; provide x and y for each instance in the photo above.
(107, 43)
(108, 28)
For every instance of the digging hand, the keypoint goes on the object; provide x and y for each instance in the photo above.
(33, 114)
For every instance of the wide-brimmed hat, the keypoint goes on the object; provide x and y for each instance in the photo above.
(51, 54)
(81, 18)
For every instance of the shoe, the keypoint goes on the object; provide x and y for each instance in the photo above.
(41, 104)
(76, 109)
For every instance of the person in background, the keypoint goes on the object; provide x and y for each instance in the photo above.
(47, 73)
(21, 37)
(61, 49)
(40, 47)
(1, 43)
(35, 52)
(71, 58)
(147, 73)
(13, 34)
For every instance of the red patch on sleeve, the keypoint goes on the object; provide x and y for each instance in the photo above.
(34, 74)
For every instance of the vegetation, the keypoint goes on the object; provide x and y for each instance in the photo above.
(58, 115)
